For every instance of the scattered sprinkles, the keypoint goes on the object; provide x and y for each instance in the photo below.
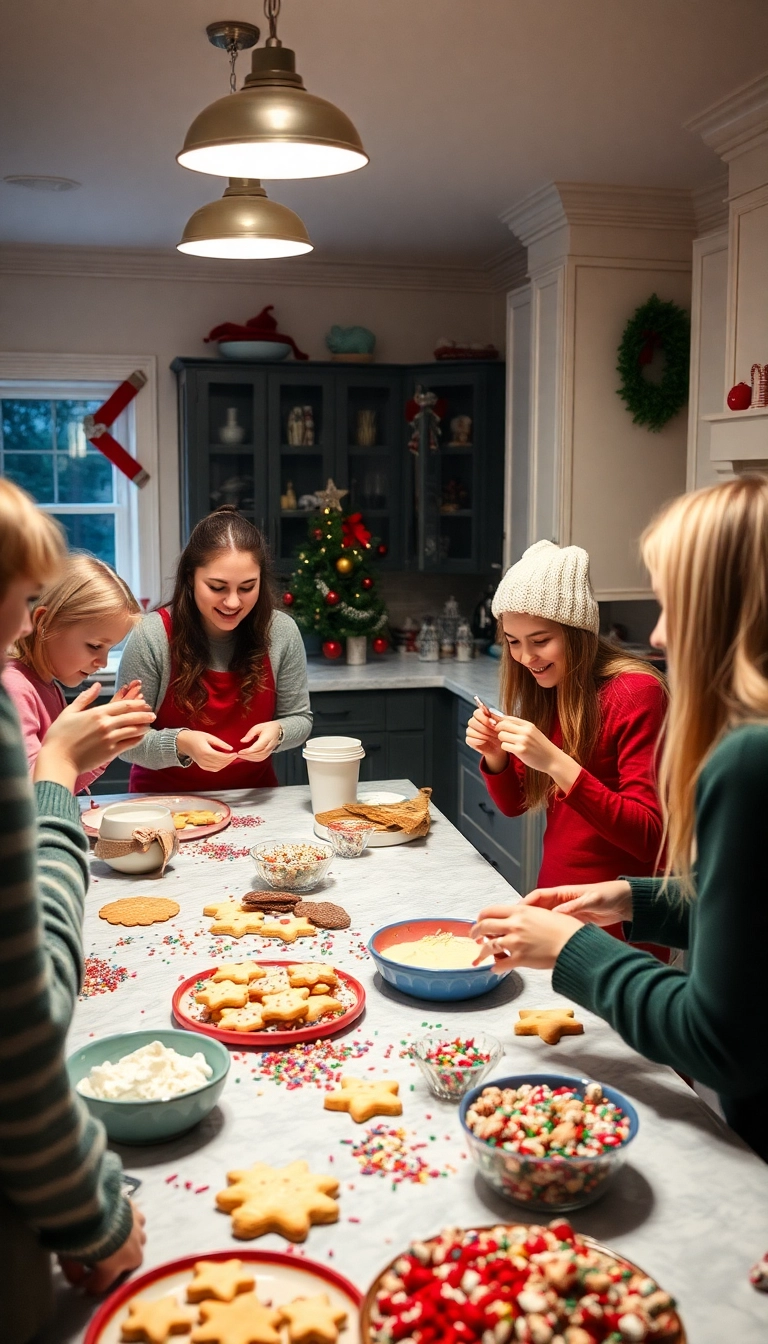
(236, 822)
(101, 977)
(220, 850)
(313, 1064)
(395, 1152)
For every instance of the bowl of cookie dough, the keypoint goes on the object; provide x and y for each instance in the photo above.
(149, 1086)
(432, 959)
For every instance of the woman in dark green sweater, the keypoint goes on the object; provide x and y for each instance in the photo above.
(708, 558)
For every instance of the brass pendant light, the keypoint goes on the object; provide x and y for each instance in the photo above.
(245, 224)
(272, 128)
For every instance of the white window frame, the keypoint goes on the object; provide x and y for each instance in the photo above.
(61, 377)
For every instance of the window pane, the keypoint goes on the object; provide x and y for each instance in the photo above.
(94, 532)
(69, 417)
(33, 472)
(27, 425)
(84, 480)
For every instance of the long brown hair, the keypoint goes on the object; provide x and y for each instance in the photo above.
(708, 555)
(589, 662)
(86, 590)
(223, 530)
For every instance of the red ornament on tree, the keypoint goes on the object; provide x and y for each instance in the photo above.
(332, 599)
(740, 397)
(366, 585)
(317, 533)
(380, 644)
(288, 599)
(382, 548)
(332, 648)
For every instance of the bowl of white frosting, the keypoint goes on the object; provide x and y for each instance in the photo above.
(149, 1086)
(432, 959)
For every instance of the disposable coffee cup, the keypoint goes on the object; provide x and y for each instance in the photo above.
(333, 767)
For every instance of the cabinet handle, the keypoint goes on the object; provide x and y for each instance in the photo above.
(489, 811)
(334, 713)
(488, 859)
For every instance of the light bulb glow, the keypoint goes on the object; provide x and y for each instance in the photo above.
(274, 160)
(245, 249)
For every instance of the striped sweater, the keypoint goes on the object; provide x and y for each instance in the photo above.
(57, 1179)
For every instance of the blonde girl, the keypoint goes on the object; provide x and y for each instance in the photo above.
(707, 554)
(79, 617)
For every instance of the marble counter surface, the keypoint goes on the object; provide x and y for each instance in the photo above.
(396, 672)
(689, 1205)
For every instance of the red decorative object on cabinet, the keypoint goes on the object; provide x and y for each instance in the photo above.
(333, 648)
(380, 644)
(740, 397)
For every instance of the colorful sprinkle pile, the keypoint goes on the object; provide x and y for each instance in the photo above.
(314, 1064)
(220, 851)
(101, 977)
(392, 1152)
(236, 821)
(452, 1067)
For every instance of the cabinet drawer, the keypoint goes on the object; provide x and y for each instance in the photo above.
(375, 763)
(477, 811)
(405, 710)
(499, 859)
(464, 712)
(338, 713)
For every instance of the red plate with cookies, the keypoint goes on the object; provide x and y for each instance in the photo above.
(233, 1017)
(279, 1279)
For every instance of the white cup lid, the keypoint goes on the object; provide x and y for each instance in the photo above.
(334, 758)
(332, 746)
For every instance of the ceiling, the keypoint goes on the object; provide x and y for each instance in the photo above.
(463, 105)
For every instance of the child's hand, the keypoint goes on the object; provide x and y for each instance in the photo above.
(99, 1278)
(85, 736)
(483, 737)
(599, 903)
(130, 691)
(522, 935)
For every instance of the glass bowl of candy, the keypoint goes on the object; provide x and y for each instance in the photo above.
(453, 1065)
(292, 866)
(548, 1140)
(349, 837)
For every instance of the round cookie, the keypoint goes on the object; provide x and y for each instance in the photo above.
(132, 910)
(323, 914)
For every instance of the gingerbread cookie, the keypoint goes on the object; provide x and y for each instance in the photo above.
(319, 1005)
(365, 1097)
(244, 1321)
(153, 1322)
(230, 919)
(312, 1320)
(290, 1006)
(287, 1200)
(225, 994)
(249, 1018)
(287, 927)
(269, 901)
(323, 914)
(548, 1023)
(133, 910)
(311, 973)
(220, 1279)
(240, 972)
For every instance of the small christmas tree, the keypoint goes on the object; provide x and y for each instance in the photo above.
(333, 591)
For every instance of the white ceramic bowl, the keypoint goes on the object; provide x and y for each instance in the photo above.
(119, 822)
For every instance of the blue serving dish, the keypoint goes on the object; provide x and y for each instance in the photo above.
(421, 981)
(558, 1184)
(143, 1122)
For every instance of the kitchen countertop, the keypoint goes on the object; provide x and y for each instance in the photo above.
(397, 672)
(689, 1205)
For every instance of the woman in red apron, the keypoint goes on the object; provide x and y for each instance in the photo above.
(206, 667)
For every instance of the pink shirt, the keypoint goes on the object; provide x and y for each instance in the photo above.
(37, 704)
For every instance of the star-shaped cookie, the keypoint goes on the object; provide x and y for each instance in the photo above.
(231, 919)
(548, 1023)
(319, 1005)
(244, 1321)
(241, 972)
(365, 1097)
(220, 1279)
(287, 1200)
(225, 994)
(249, 1018)
(290, 1006)
(275, 982)
(153, 1322)
(312, 973)
(312, 1320)
(287, 927)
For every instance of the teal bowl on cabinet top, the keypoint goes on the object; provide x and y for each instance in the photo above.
(151, 1121)
(254, 351)
(424, 982)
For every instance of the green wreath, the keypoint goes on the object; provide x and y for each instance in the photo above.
(656, 325)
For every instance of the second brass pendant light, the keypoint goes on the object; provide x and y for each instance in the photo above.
(270, 128)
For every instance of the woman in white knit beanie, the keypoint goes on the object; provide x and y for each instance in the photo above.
(580, 728)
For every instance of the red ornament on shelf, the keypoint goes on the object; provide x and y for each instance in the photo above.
(382, 548)
(332, 598)
(288, 599)
(366, 585)
(740, 397)
(317, 534)
(332, 648)
(380, 644)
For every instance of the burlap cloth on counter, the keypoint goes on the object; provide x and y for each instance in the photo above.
(142, 838)
(411, 816)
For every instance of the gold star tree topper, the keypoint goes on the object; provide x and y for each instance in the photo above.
(331, 496)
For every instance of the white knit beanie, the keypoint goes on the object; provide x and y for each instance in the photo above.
(550, 581)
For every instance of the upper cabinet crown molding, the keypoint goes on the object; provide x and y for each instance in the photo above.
(737, 123)
(710, 205)
(544, 211)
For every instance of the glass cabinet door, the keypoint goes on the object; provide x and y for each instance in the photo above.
(445, 505)
(301, 454)
(230, 466)
(371, 442)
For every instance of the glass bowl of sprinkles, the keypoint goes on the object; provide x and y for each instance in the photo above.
(452, 1065)
(350, 836)
(292, 865)
(548, 1140)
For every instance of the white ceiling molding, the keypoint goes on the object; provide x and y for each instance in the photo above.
(737, 123)
(710, 205)
(145, 264)
(549, 208)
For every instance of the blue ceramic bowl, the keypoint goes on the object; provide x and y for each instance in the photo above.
(557, 1184)
(254, 351)
(420, 981)
(152, 1121)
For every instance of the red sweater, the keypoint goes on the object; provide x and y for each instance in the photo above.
(609, 823)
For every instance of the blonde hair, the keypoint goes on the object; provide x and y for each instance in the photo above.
(87, 589)
(589, 662)
(32, 544)
(708, 555)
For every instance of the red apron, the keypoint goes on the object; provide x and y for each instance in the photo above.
(228, 718)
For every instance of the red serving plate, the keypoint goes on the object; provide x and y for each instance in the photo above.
(266, 1039)
(293, 1275)
(177, 802)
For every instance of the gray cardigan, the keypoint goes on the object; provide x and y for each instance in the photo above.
(147, 655)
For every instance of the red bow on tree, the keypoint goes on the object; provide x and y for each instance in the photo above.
(353, 531)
